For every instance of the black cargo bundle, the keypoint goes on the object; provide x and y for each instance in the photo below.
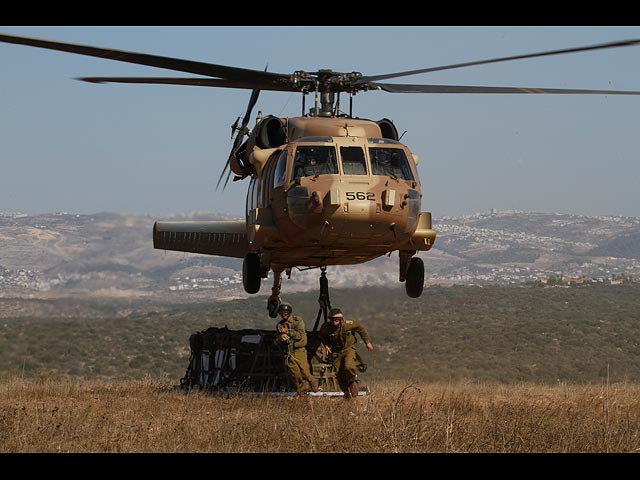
(250, 360)
(231, 360)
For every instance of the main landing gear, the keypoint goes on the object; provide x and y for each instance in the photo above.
(251, 273)
(412, 273)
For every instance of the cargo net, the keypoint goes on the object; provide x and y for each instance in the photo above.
(250, 360)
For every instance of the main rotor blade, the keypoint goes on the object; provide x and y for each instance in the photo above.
(177, 64)
(405, 88)
(622, 43)
(199, 82)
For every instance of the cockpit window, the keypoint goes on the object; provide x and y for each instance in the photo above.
(314, 160)
(391, 162)
(281, 168)
(353, 161)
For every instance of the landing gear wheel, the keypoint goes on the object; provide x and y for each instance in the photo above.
(272, 307)
(415, 277)
(251, 273)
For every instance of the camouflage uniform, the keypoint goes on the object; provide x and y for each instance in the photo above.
(342, 341)
(293, 335)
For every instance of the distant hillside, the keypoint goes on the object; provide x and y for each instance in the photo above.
(508, 334)
(510, 247)
(622, 246)
(113, 254)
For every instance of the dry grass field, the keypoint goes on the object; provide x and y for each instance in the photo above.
(82, 416)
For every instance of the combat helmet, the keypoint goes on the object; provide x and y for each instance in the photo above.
(285, 307)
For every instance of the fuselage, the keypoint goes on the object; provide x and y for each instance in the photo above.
(344, 195)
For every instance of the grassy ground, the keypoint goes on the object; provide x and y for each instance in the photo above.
(68, 415)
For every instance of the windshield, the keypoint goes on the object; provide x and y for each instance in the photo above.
(353, 162)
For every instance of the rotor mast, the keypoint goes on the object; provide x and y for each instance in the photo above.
(326, 108)
(325, 86)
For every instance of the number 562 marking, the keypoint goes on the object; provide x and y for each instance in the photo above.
(361, 196)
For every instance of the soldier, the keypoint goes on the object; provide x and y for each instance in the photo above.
(339, 338)
(311, 167)
(380, 162)
(292, 334)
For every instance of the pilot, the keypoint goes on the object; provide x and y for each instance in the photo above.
(311, 167)
(317, 162)
(305, 165)
(383, 163)
(292, 334)
(338, 335)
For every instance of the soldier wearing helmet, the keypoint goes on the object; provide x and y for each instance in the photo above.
(292, 335)
(383, 164)
(339, 338)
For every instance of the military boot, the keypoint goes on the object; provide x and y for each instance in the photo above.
(353, 390)
(313, 384)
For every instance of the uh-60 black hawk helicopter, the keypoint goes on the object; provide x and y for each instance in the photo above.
(325, 188)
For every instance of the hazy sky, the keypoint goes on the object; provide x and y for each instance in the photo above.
(72, 146)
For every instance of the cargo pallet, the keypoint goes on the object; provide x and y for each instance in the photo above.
(252, 362)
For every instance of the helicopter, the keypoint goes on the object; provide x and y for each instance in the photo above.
(325, 187)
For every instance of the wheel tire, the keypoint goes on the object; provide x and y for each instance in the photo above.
(415, 277)
(251, 274)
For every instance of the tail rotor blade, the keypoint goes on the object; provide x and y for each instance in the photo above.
(240, 133)
(226, 165)
(252, 103)
(227, 180)
(234, 127)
